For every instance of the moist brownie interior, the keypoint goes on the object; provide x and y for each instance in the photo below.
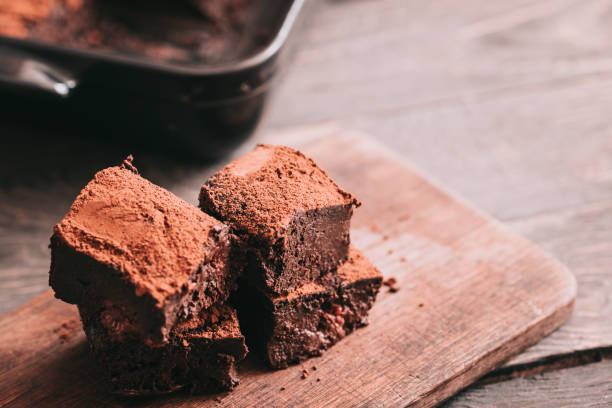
(289, 329)
(201, 353)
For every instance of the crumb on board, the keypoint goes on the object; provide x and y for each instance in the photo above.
(282, 388)
(421, 304)
(402, 259)
(390, 283)
(304, 374)
(67, 330)
(69, 325)
(390, 252)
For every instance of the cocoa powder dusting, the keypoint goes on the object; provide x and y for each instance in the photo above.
(357, 267)
(16, 16)
(282, 181)
(219, 321)
(143, 231)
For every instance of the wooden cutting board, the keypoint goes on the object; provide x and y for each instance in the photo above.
(471, 294)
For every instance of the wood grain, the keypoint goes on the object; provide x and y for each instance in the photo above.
(471, 294)
(581, 239)
(505, 102)
(585, 386)
(515, 118)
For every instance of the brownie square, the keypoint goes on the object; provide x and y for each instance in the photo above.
(129, 243)
(293, 218)
(289, 329)
(201, 352)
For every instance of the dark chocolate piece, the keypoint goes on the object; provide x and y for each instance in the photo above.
(128, 243)
(201, 354)
(289, 329)
(293, 217)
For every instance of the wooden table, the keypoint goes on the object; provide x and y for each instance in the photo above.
(508, 103)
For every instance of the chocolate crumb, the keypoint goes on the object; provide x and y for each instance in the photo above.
(314, 368)
(402, 259)
(66, 330)
(390, 251)
(390, 283)
(318, 380)
(282, 388)
(304, 374)
(128, 164)
(421, 304)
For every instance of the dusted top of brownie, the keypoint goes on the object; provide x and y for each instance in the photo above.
(356, 268)
(216, 323)
(152, 238)
(260, 192)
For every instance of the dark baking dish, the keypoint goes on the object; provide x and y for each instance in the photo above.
(205, 109)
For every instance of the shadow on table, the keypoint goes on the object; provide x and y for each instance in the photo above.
(34, 154)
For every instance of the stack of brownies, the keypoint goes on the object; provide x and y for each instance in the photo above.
(155, 278)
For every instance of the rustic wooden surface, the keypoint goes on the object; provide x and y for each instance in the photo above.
(506, 102)
(471, 294)
(583, 386)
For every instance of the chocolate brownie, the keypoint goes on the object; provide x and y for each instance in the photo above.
(201, 353)
(293, 217)
(307, 321)
(128, 243)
